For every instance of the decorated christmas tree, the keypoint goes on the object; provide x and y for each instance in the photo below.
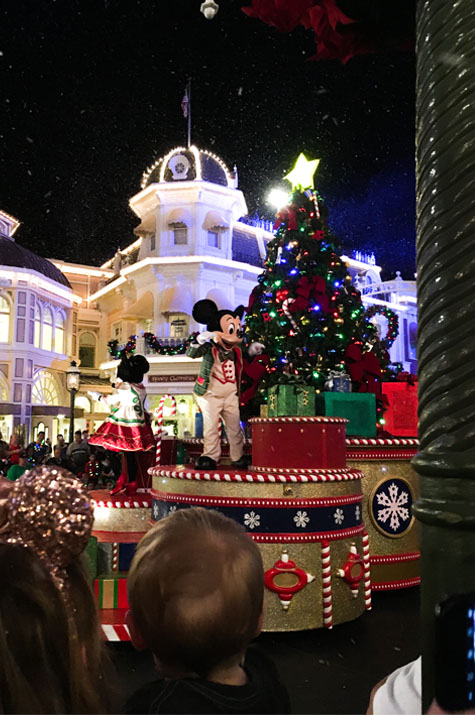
(305, 309)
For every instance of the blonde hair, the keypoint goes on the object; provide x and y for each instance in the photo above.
(51, 656)
(196, 587)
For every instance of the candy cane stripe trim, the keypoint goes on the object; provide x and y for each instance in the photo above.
(313, 420)
(348, 475)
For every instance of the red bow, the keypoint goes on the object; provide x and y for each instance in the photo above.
(252, 372)
(287, 214)
(365, 371)
(408, 377)
(315, 288)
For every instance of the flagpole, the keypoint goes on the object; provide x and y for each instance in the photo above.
(188, 90)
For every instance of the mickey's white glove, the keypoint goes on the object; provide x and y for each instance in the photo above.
(205, 336)
(255, 349)
(95, 395)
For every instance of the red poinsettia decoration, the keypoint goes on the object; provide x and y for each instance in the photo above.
(339, 36)
(313, 288)
(281, 14)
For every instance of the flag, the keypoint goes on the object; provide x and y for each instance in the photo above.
(184, 103)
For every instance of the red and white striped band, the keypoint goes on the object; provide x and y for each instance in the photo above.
(314, 420)
(369, 454)
(291, 503)
(349, 475)
(129, 504)
(116, 632)
(383, 442)
(395, 558)
(390, 585)
(308, 537)
(304, 470)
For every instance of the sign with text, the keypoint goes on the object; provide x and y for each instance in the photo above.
(172, 378)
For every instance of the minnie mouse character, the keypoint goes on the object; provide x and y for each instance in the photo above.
(217, 386)
(127, 429)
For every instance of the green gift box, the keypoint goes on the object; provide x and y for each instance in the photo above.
(357, 407)
(90, 555)
(290, 399)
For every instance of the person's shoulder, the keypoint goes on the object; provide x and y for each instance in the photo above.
(265, 677)
(164, 696)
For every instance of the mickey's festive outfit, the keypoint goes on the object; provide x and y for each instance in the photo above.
(127, 429)
(217, 386)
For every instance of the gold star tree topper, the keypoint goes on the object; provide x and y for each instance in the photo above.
(301, 175)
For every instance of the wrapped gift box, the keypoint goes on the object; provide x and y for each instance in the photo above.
(91, 557)
(126, 554)
(111, 590)
(291, 400)
(401, 415)
(357, 407)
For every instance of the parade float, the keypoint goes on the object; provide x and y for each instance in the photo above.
(327, 495)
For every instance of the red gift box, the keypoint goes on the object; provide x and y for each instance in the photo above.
(401, 415)
(298, 442)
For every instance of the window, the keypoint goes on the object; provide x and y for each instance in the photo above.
(59, 332)
(117, 331)
(47, 337)
(4, 320)
(37, 326)
(214, 239)
(45, 389)
(87, 349)
(180, 234)
(152, 243)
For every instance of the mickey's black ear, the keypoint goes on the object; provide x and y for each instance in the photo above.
(205, 311)
(141, 363)
(240, 310)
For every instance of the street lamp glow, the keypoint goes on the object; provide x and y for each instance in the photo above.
(278, 198)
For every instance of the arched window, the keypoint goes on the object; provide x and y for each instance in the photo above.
(4, 320)
(47, 339)
(87, 349)
(180, 233)
(45, 389)
(59, 332)
(37, 326)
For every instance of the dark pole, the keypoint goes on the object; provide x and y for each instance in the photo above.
(71, 416)
(445, 155)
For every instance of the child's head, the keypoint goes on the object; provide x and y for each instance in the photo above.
(49, 626)
(196, 588)
(23, 458)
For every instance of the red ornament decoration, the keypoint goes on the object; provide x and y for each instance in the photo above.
(352, 570)
(266, 317)
(295, 579)
(281, 294)
(318, 235)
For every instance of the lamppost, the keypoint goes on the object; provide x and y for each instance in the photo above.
(72, 384)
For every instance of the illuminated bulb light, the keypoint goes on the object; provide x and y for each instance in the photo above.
(209, 9)
(278, 198)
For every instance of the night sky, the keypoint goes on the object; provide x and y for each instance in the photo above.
(91, 94)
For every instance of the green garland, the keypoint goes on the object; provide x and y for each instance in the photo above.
(116, 351)
(393, 323)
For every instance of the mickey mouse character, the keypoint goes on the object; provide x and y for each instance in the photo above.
(127, 429)
(217, 386)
